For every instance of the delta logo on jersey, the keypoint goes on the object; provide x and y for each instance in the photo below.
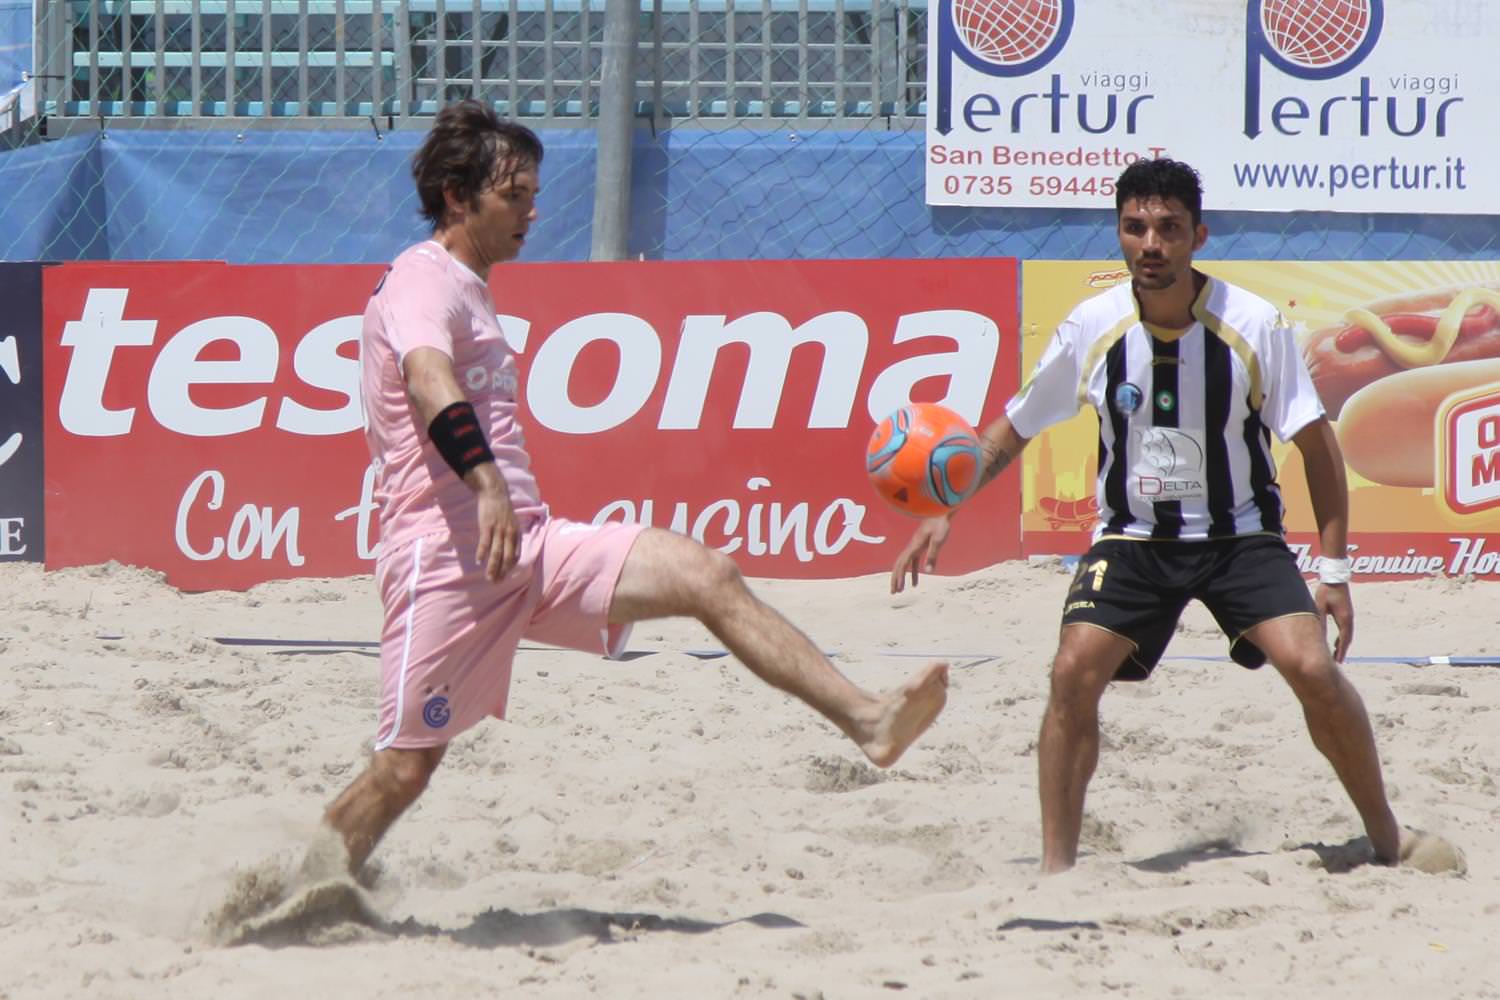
(1319, 40)
(1167, 462)
(1001, 38)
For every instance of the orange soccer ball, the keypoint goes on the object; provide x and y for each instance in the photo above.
(924, 459)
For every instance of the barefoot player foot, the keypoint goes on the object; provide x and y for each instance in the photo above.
(898, 717)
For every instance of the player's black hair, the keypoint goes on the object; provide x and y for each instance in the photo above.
(1161, 178)
(468, 146)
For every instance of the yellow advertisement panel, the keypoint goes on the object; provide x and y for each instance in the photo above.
(1406, 358)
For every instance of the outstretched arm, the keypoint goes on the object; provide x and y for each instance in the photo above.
(1000, 445)
(1329, 491)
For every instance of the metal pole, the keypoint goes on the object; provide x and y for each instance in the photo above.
(615, 131)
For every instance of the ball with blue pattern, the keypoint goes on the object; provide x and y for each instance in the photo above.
(924, 459)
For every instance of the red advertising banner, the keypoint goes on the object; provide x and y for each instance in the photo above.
(204, 419)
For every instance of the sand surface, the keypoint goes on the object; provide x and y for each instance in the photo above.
(667, 826)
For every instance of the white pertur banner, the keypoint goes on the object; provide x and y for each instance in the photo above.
(1281, 105)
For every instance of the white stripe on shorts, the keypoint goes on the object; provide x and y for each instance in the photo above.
(411, 610)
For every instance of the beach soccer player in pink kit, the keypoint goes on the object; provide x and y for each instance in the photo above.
(471, 560)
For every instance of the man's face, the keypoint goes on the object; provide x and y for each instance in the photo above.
(500, 215)
(1158, 239)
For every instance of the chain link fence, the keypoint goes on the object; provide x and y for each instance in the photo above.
(281, 131)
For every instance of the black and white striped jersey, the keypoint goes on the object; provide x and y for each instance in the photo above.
(1185, 416)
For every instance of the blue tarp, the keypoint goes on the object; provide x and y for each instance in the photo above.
(257, 198)
(16, 26)
(299, 196)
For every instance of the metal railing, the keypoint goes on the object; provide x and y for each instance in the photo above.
(162, 61)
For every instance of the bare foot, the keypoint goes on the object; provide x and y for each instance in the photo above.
(903, 715)
(1427, 852)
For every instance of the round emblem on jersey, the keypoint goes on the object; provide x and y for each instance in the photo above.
(435, 713)
(1128, 397)
(1165, 400)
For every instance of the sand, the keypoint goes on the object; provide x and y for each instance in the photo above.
(666, 826)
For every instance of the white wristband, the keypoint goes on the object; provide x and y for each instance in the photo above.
(1334, 572)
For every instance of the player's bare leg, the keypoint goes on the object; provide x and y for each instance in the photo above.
(1296, 645)
(668, 574)
(366, 809)
(1068, 748)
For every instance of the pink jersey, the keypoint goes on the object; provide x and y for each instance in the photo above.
(429, 299)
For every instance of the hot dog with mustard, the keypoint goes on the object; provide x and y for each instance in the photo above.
(1404, 332)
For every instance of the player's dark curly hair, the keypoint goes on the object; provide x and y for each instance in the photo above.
(465, 151)
(1161, 178)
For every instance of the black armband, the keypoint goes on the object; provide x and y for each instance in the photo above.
(455, 433)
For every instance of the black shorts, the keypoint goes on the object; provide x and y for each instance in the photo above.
(1137, 589)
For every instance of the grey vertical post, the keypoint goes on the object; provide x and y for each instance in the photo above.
(765, 58)
(53, 62)
(406, 84)
(731, 63)
(304, 99)
(840, 29)
(892, 73)
(585, 60)
(377, 56)
(695, 50)
(340, 87)
(94, 108)
(549, 69)
(903, 59)
(615, 130)
(657, 114)
(802, 60)
(267, 46)
(195, 79)
(512, 94)
(476, 54)
(159, 29)
(231, 57)
(440, 52)
(124, 21)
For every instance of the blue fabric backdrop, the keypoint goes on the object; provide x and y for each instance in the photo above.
(346, 196)
(15, 42)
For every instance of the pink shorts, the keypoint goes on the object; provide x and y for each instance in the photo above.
(450, 634)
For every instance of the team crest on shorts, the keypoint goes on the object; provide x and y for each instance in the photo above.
(435, 712)
(1128, 397)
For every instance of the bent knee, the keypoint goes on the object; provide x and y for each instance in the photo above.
(407, 772)
(1312, 676)
(709, 585)
(1079, 680)
(711, 572)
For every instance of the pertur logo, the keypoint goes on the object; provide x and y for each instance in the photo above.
(1319, 40)
(1000, 38)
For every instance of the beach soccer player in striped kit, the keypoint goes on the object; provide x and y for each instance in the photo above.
(471, 560)
(1190, 377)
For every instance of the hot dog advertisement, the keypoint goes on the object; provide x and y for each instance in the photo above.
(1405, 356)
